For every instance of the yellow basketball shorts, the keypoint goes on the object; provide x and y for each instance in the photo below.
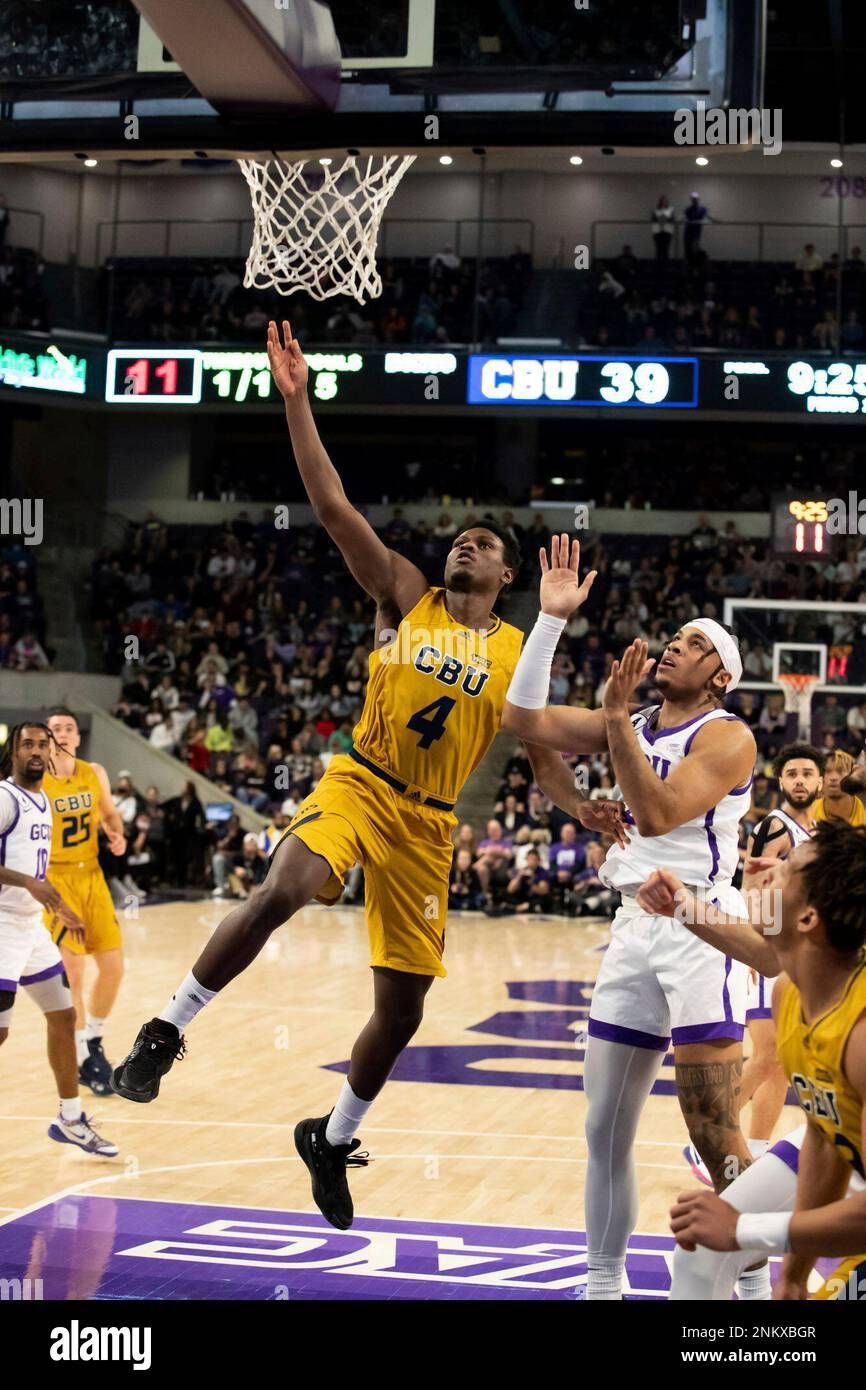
(848, 1281)
(86, 892)
(405, 850)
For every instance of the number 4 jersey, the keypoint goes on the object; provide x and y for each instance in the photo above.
(435, 697)
(75, 803)
(25, 840)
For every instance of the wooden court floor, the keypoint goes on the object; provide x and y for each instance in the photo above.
(479, 1125)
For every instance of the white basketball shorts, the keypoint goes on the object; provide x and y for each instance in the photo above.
(660, 983)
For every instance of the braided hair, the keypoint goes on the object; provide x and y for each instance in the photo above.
(7, 752)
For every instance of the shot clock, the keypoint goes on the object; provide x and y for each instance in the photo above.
(799, 527)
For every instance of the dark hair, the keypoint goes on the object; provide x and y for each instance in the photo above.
(834, 881)
(510, 543)
(62, 710)
(7, 752)
(798, 752)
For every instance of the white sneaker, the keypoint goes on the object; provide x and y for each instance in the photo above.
(82, 1133)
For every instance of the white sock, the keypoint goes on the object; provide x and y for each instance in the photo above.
(70, 1110)
(189, 1000)
(753, 1286)
(758, 1147)
(82, 1052)
(95, 1026)
(346, 1116)
(604, 1279)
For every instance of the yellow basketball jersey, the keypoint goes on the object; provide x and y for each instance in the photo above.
(812, 1057)
(435, 697)
(856, 818)
(75, 808)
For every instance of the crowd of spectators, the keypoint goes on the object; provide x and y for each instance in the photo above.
(693, 303)
(60, 38)
(244, 654)
(23, 302)
(422, 301)
(22, 614)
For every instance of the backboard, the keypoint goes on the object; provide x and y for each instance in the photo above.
(529, 72)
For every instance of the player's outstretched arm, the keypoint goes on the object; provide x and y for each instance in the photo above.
(385, 575)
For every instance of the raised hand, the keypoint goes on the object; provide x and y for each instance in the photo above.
(625, 677)
(288, 367)
(561, 591)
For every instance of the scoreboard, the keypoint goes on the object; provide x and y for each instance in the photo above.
(412, 378)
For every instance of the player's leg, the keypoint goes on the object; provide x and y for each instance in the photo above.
(764, 1083)
(617, 1080)
(75, 965)
(708, 1076)
(104, 942)
(296, 874)
(629, 1031)
(70, 886)
(44, 980)
(406, 870)
(707, 994)
(770, 1184)
(398, 1007)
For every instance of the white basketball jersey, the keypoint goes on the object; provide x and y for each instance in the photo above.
(794, 829)
(702, 852)
(25, 844)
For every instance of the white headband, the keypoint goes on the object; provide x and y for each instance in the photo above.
(725, 645)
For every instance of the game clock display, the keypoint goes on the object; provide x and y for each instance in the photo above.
(140, 376)
(799, 526)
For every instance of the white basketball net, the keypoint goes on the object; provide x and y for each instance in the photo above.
(316, 226)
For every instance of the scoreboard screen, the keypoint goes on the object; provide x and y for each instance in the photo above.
(586, 379)
(822, 389)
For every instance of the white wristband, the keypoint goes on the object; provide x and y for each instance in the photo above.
(530, 684)
(766, 1231)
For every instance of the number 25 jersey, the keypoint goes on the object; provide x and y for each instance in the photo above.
(435, 697)
(75, 802)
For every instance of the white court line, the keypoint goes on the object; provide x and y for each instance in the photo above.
(368, 1216)
(73, 1189)
(370, 1129)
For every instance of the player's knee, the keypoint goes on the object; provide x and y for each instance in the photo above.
(274, 902)
(61, 1020)
(403, 1021)
(4, 1034)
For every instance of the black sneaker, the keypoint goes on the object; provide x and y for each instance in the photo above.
(158, 1045)
(327, 1164)
(95, 1070)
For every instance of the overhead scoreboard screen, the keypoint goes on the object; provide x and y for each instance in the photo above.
(238, 378)
(586, 379)
(817, 387)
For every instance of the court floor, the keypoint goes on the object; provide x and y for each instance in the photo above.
(476, 1183)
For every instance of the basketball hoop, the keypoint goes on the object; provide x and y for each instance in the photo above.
(316, 229)
(798, 690)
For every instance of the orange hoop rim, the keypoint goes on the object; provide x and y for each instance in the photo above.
(797, 681)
